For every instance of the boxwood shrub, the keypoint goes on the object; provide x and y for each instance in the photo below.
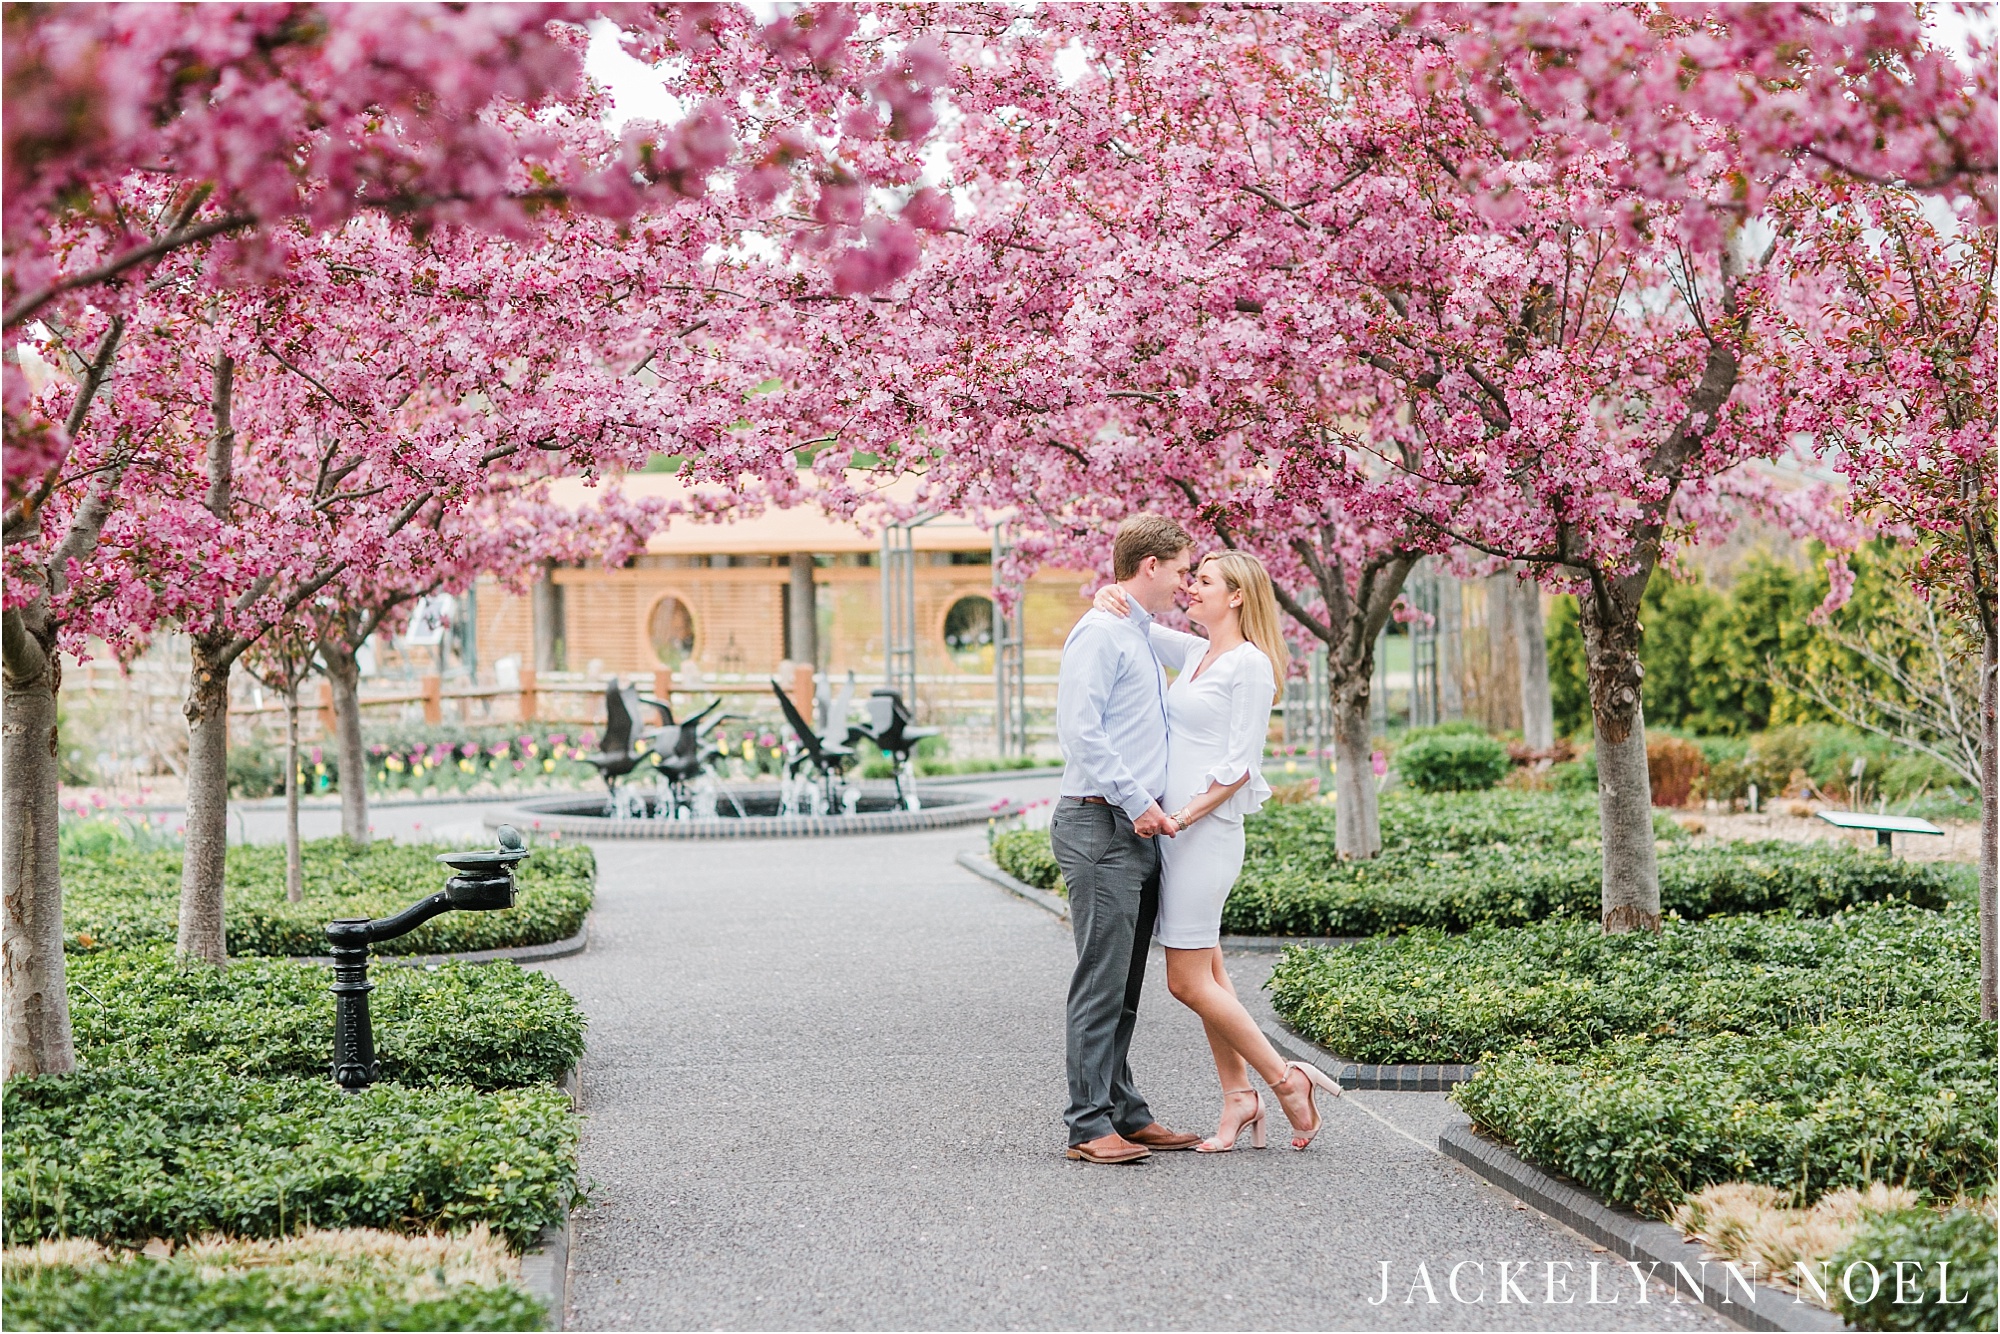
(1452, 763)
(130, 1152)
(1965, 1239)
(1562, 987)
(487, 1025)
(1026, 855)
(1906, 1097)
(127, 897)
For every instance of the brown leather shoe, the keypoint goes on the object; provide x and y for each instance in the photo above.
(1157, 1136)
(1112, 1148)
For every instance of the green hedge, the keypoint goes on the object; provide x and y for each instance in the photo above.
(1562, 986)
(1026, 855)
(489, 1026)
(124, 897)
(126, 1153)
(1964, 1238)
(1906, 1097)
(184, 1293)
(1508, 887)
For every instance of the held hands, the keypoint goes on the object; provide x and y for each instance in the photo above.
(1112, 598)
(1155, 821)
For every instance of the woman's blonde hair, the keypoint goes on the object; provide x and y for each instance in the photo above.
(1258, 615)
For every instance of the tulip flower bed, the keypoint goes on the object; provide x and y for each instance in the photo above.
(202, 1117)
(462, 760)
(122, 895)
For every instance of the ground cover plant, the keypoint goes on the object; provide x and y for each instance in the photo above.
(1904, 1096)
(1807, 1060)
(1456, 861)
(488, 1026)
(128, 1152)
(351, 1278)
(1561, 988)
(1507, 886)
(1965, 1238)
(127, 895)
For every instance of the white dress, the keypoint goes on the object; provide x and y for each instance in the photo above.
(1216, 725)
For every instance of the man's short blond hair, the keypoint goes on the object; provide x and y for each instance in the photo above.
(1145, 535)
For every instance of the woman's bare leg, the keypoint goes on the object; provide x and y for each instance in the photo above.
(1198, 980)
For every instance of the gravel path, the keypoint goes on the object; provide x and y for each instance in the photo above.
(824, 1090)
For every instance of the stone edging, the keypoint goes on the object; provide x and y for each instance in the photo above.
(545, 1266)
(1410, 1077)
(555, 949)
(953, 816)
(1630, 1237)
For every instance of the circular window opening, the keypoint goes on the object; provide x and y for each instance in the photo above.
(671, 630)
(968, 633)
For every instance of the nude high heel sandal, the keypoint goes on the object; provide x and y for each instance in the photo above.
(1255, 1124)
(1316, 1078)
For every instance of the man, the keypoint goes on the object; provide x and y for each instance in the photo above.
(1111, 720)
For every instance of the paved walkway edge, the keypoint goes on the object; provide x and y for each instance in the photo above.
(985, 869)
(545, 1266)
(1041, 898)
(555, 949)
(1630, 1237)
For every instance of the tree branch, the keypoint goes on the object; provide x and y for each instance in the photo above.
(22, 309)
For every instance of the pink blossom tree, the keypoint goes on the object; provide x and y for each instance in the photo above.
(1894, 359)
(511, 533)
(428, 114)
(1266, 269)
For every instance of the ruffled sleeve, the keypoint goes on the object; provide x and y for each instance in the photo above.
(1251, 684)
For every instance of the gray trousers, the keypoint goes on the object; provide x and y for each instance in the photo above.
(1113, 878)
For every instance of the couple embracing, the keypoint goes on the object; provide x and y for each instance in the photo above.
(1135, 748)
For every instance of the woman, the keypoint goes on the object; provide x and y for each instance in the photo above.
(1218, 710)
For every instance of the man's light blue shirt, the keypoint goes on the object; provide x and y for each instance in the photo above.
(1111, 712)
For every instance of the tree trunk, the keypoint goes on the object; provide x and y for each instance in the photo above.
(31, 954)
(802, 612)
(1451, 649)
(1989, 830)
(343, 672)
(1357, 818)
(546, 614)
(33, 973)
(1501, 705)
(207, 709)
(295, 873)
(1538, 715)
(1611, 633)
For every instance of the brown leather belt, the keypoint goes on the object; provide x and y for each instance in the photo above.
(1092, 801)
